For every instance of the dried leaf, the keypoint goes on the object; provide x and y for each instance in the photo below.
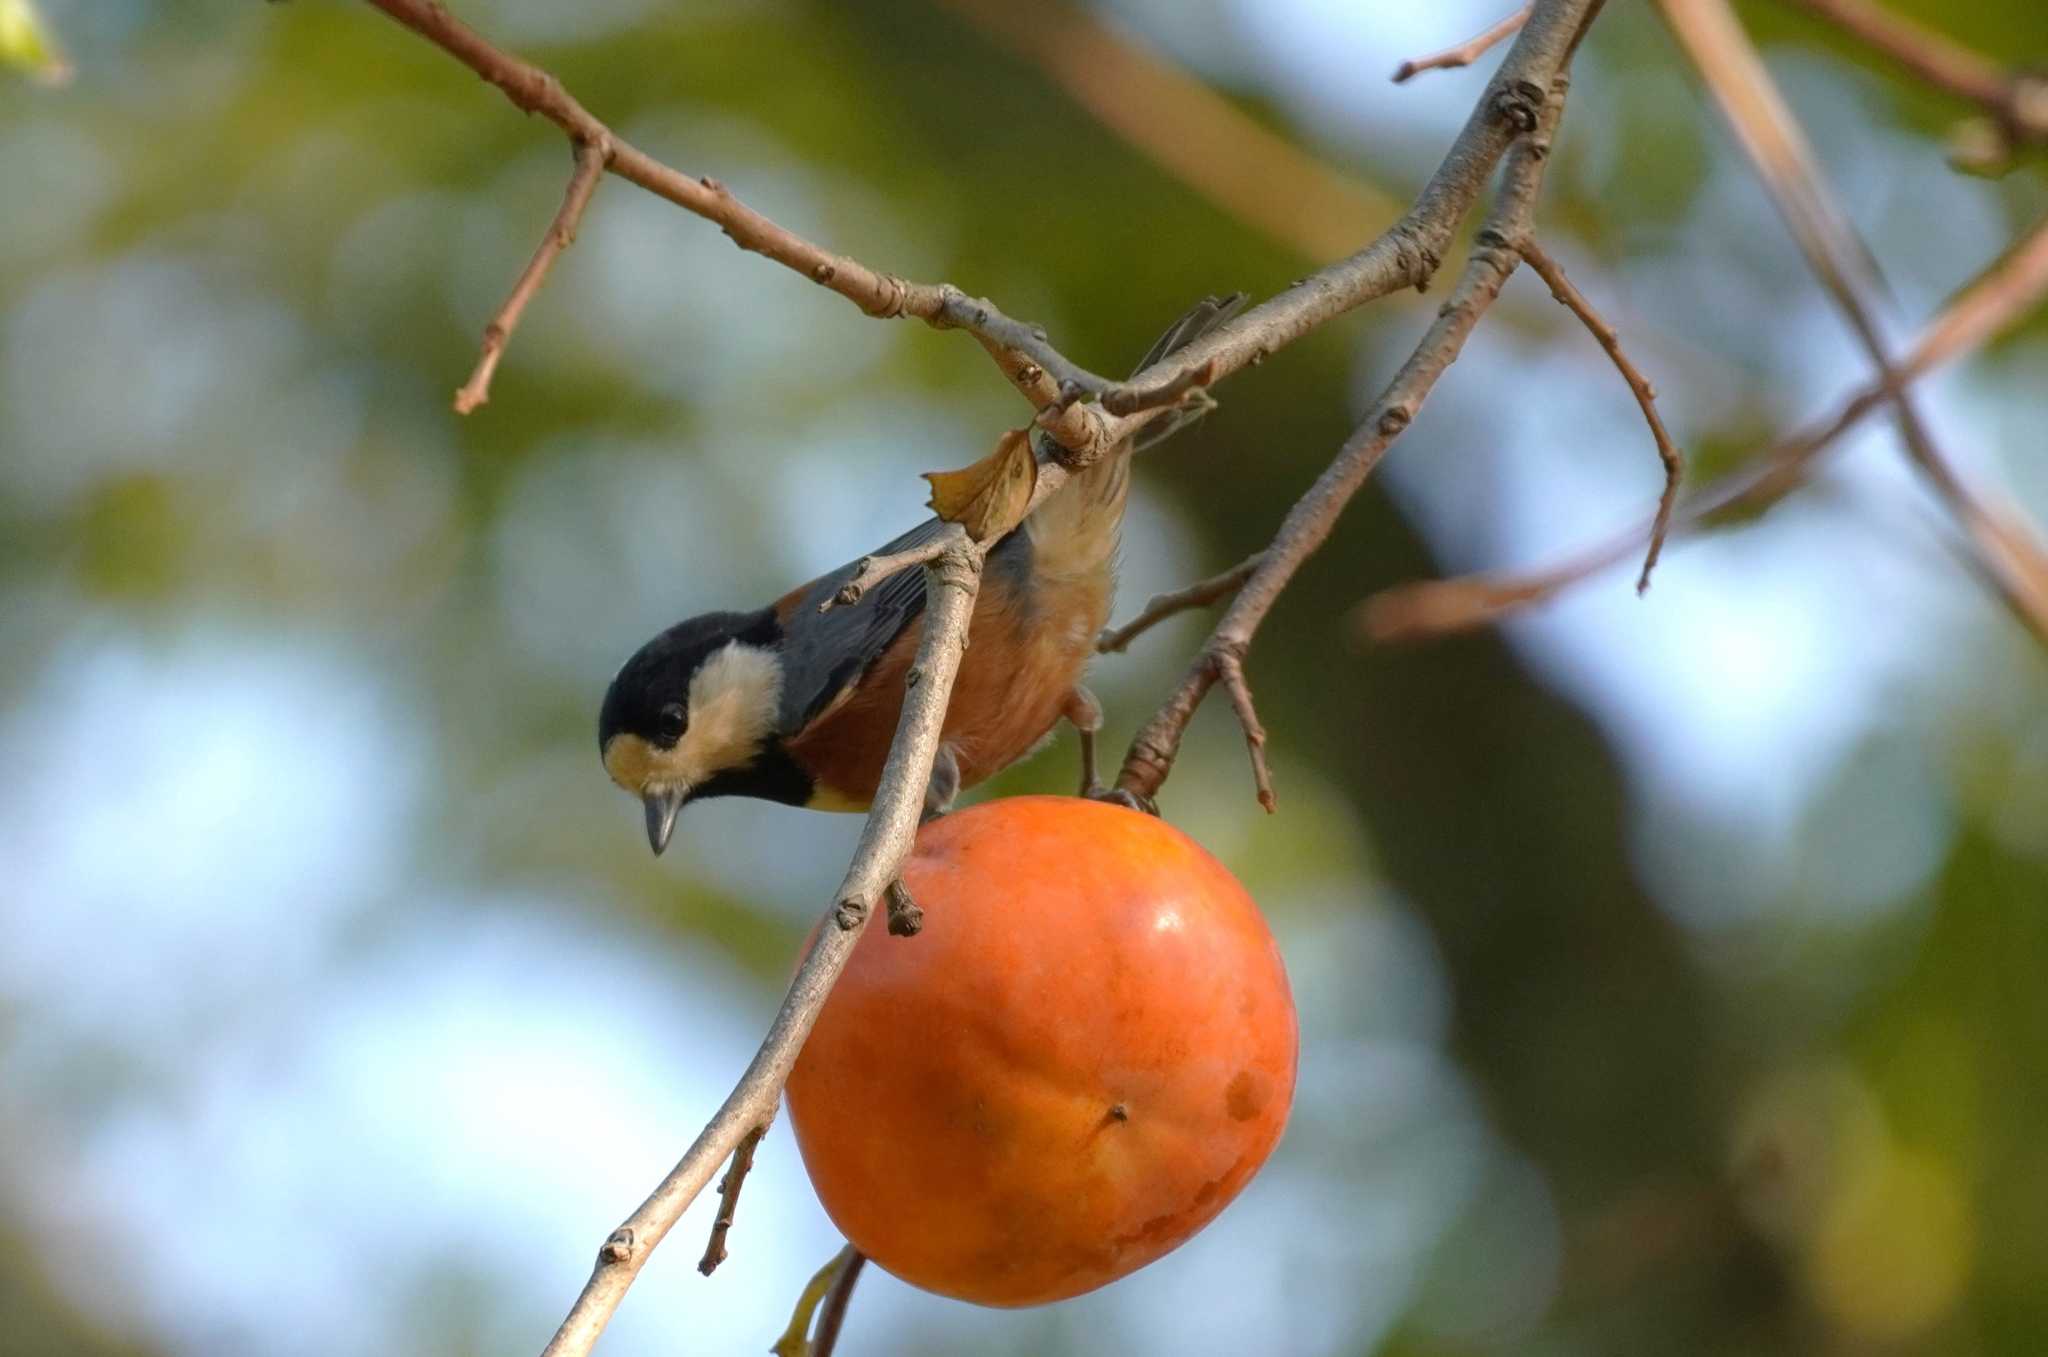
(989, 498)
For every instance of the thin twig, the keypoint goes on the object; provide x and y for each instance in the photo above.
(2003, 293)
(1200, 594)
(1465, 53)
(870, 571)
(2004, 550)
(2016, 101)
(1128, 400)
(729, 1199)
(878, 294)
(1550, 36)
(1230, 673)
(832, 1317)
(1407, 253)
(590, 163)
(1561, 288)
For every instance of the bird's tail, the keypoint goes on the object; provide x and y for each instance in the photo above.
(1075, 532)
(1206, 315)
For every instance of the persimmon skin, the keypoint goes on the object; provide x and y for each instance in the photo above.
(1082, 1058)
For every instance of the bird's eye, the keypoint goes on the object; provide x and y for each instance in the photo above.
(669, 722)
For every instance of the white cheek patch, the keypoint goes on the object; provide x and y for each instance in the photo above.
(734, 697)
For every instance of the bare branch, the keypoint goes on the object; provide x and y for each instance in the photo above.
(1128, 400)
(1314, 516)
(2016, 101)
(1408, 252)
(2005, 552)
(590, 163)
(1513, 105)
(870, 571)
(1405, 255)
(2002, 294)
(951, 585)
(1561, 288)
(1200, 594)
(729, 1199)
(1230, 673)
(876, 293)
(1465, 53)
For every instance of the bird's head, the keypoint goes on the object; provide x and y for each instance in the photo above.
(695, 702)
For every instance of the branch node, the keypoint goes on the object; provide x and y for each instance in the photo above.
(850, 913)
(906, 920)
(1393, 420)
(1517, 105)
(616, 1249)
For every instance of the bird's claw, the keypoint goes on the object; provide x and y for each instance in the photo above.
(1129, 800)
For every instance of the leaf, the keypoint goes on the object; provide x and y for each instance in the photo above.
(989, 498)
(26, 44)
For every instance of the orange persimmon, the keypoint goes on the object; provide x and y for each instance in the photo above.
(1084, 1055)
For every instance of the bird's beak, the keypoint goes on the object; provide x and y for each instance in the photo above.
(661, 816)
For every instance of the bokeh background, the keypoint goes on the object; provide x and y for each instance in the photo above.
(1672, 970)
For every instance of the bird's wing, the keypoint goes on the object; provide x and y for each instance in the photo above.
(825, 653)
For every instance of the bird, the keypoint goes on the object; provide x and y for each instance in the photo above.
(798, 702)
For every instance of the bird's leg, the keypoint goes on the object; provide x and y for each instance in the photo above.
(1117, 796)
(944, 784)
(1085, 713)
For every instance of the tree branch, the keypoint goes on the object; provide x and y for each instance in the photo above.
(1552, 30)
(1200, 594)
(2004, 551)
(2017, 102)
(952, 582)
(1407, 253)
(1561, 288)
(590, 163)
(1465, 53)
(2000, 295)
(1517, 101)
(729, 1199)
(878, 294)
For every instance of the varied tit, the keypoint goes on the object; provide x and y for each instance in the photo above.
(796, 705)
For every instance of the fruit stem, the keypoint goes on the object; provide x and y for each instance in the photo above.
(826, 1281)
